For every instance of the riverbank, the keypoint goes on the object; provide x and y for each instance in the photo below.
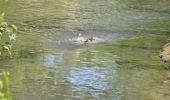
(165, 54)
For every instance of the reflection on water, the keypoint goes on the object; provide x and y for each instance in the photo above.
(93, 78)
(51, 61)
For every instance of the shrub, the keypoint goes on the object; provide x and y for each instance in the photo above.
(7, 35)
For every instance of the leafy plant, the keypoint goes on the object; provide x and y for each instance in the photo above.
(7, 35)
(5, 93)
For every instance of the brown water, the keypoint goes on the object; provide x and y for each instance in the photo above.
(50, 61)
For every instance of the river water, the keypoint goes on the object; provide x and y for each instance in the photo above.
(51, 60)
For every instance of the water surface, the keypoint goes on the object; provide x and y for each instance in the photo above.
(52, 62)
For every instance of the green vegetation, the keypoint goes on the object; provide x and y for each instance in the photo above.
(4, 87)
(7, 35)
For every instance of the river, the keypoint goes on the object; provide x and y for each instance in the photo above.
(51, 60)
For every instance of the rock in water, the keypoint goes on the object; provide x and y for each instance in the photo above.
(169, 75)
(165, 55)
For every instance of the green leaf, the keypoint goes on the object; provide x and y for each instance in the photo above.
(2, 17)
(3, 14)
(1, 85)
(2, 29)
(0, 33)
(7, 35)
(8, 30)
(2, 95)
(12, 37)
(4, 99)
(7, 47)
(14, 28)
(4, 24)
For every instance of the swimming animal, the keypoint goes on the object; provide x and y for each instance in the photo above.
(89, 40)
(82, 39)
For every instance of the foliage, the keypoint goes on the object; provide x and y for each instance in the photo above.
(4, 87)
(7, 35)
